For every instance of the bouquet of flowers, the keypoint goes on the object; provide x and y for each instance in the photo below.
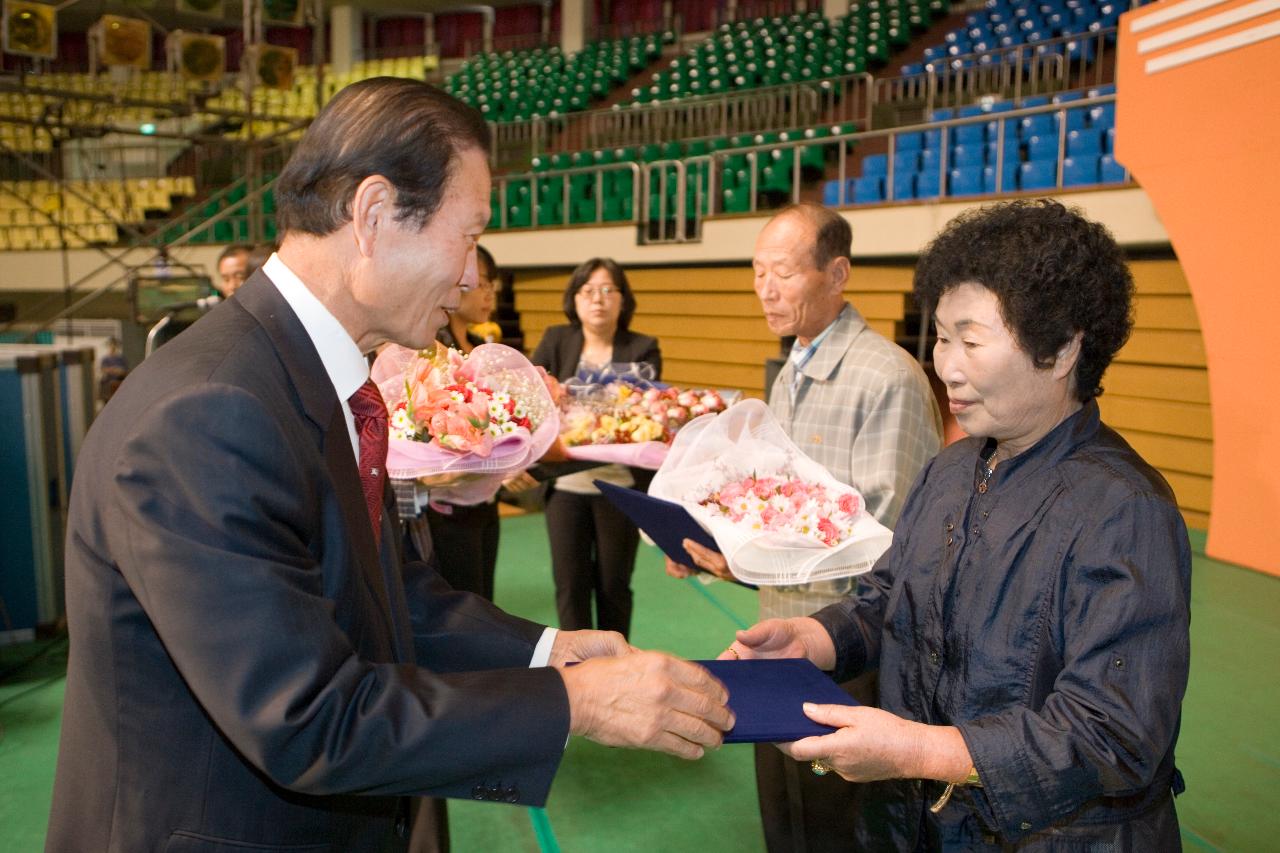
(627, 419)
(776, 515)
(487, 415)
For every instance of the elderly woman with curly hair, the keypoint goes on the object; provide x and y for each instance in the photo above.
(1029, 622)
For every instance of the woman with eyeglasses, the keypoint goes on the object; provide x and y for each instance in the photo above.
(593, 545)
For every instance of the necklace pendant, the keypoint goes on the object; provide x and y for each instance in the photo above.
(982, 487)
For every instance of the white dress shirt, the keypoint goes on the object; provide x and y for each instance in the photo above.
(347, 370)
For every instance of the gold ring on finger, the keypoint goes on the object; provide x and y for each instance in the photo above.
(819, 767)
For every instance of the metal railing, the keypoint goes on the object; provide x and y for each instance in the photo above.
(533, 182)
(673, 220)
(1046, 67)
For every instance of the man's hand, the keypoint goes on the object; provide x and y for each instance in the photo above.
(704, 558)
(574, 646)
(647, 700)
(799, 637)
(871, 744)
(521, 482)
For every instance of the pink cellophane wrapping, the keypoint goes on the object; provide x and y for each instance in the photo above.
(499, 367)
(643, 454)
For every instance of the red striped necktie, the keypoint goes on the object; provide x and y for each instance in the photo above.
(371, 429)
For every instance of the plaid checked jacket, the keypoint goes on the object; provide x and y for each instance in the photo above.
(864, 410)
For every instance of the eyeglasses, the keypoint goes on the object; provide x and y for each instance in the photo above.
(604, 291)
(484, 286)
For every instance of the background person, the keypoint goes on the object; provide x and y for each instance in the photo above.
(233, 268)
(1030, 620)
(593, 545)
(860, 406)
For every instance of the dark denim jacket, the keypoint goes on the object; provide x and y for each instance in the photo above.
(1047, 618)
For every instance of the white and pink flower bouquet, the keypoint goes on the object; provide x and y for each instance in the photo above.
(777, 516)
(488, 415)
(627, 422)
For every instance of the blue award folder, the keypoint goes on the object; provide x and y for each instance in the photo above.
(766, 697)
(667, 523)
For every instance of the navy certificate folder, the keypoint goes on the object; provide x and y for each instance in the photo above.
(766, 698)
(668, 524)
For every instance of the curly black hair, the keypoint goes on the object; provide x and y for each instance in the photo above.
(1054, 273)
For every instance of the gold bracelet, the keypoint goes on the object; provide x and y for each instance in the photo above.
(971, 780)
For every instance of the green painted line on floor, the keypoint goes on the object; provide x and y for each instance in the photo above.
(1195, 838)
(542, 830)
(719, 605)
(1263, 757)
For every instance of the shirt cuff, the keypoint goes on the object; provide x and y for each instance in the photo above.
(542, 651)
(421, 496)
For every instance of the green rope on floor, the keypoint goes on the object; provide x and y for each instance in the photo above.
(719, 605)
(542, 831)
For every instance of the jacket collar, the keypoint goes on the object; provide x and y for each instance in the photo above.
(844, 330)
(297, 353)
(1078, 429)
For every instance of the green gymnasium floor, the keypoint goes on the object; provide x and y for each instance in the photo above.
(606, 799)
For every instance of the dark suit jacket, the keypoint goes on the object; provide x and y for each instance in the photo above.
(560, 350)
(242, 664)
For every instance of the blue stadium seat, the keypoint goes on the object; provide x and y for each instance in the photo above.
(875, 165)
(1042, 147)
(928, 184)
(906, 161)
(1085, 141)
(932, 139)
(1103, 116)
(1109, 171)
(904, 186)
(1035, 101)
(968, 155)
(908, 141)
(1079, 171)
(969, 134)
(1107, 89)
(930, 159)
(868, 189)
(831, 193)
(1109, 140)
(1011, 149)
(1077, 119)
(1008, 183)
(1065, 97)
(1038, 175)
(970, 111)
(966, 181)
(1041, 124)
(941, 115)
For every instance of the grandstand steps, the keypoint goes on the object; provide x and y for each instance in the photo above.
(576, 128)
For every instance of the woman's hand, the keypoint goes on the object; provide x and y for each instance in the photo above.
(871, 744)
(704, 558)
(799, 637)
(557, 452)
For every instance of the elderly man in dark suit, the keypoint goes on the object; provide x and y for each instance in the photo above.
(251, 667)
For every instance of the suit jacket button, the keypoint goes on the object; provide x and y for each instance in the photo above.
(478, 792)
(513, 794)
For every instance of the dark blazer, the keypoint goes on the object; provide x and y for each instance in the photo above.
(560, 350)
(242, 665)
